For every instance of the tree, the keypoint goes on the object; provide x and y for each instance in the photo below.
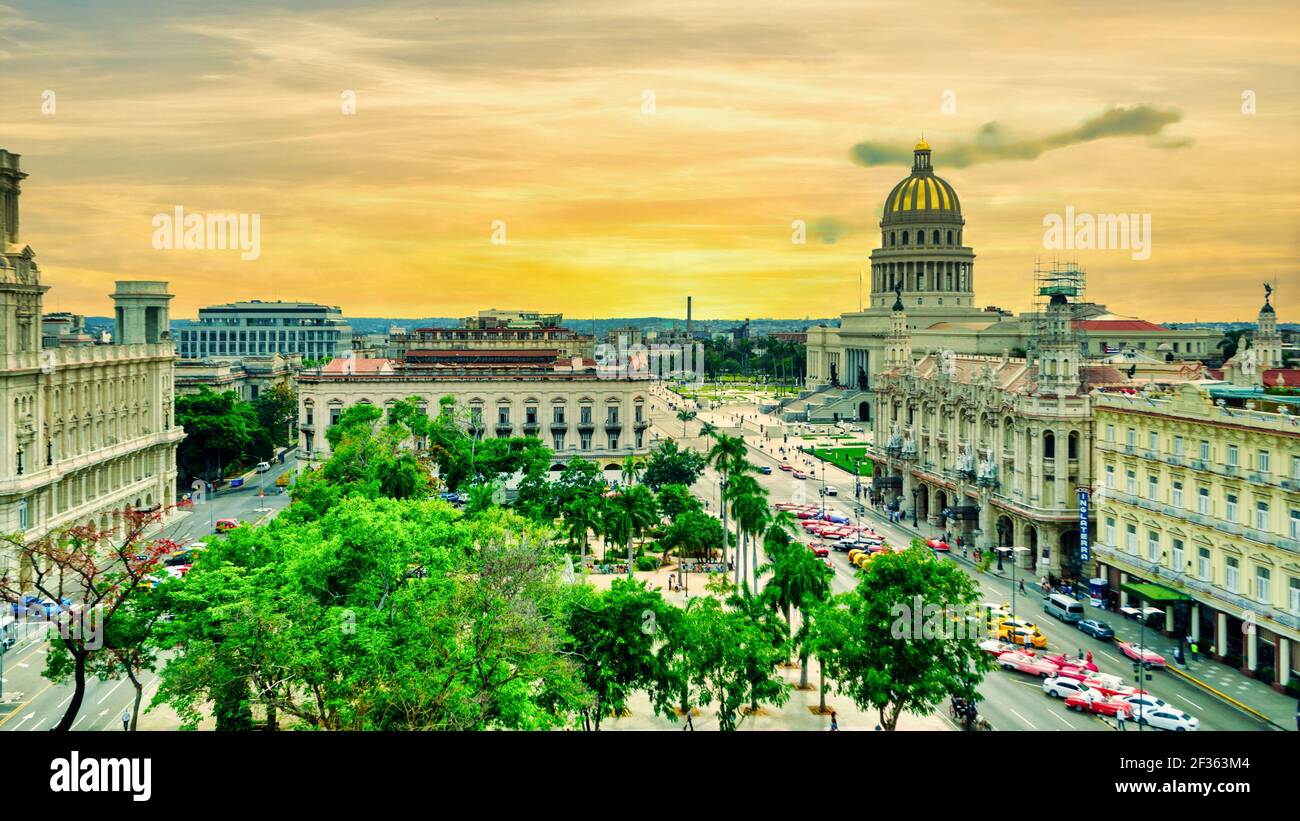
(580, 517)
(685, 416)
(674, 500)
(799, 581)
(611, 638)
(869, 643)
(669, 465)
(693, 532)
(727, 457)
(730, 658)
(103, 572)
(628, 515)
(220, 429)
(277, 410)
(631, 469)
(748, 500)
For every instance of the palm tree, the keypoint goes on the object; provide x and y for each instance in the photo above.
(728, 457)
(749, 508)
(628, 515)
(685, 416)
(631, 470)
(799, 581)
(580, 516)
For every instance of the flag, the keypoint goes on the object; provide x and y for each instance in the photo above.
(1109, 349)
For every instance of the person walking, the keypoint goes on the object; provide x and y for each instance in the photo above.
(835, 724)
(126, 719)
(1119, 719)
(1022, 585)
(1196, 651)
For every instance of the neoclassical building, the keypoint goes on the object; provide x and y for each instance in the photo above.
(571, 407)
(992, 448)
(924, 261)
(85, 431)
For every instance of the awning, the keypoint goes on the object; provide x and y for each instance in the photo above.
(1148, 591)
(887, 481)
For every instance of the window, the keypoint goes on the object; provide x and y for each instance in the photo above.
(1205, 451)
(1131, 538)
(1203, 501)
(1203, 563)
(1110, 531)
(334, 416)
(1176, 497)
(1230, 513)
(1178, 446)
(557, 439)
(1295, 525)
(586, 441)
(1232, 568)
(1132, 437)
(640, 439)
(1130, 482)
(1110, 433)
(503, 415)
(1178, 565)
(1110, 477)
(1232, 456)
(1153, 441)
(1261, 515)
(1153, 545)
(613, 441)
(557, 414)
(1153, 486)
(584, 415)
(640, 413)
(611, 415)
(1295, 467)
(23, 520)
(1263, 461)
(1263, 587)
(530, 415)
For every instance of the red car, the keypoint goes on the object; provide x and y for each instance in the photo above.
(1144, 654)
(1111, 686)
(785, 466)
(1032, 665)
(938, 544)
(1101, 706)
(799, 474)
(819, 550)
(996, 648)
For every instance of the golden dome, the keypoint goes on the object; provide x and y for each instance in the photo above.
(922, 145)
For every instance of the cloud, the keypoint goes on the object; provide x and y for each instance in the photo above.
(992, 143)
(829, 230)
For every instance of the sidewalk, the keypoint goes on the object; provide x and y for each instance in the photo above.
(1226, 683)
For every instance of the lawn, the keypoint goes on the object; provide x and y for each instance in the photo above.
(844, 458)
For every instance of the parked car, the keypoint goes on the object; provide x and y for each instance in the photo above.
(263, 467)
(1083, 665)
(786, 467)
(830, 490)
(1159, 714)
(1061, 687)
(1099, 705)
(938, 544)
(1141, 653)
(1022, 663)
(996, 648)
(799, 474)
(819, 550)
(1096, 628)
(224, 525)
(1112, 685)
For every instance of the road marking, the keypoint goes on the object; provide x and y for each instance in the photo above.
(25, 703)
(1057, 716)
(110, 692)
(1109, 656)
(29, 715)
(1189, 701)
(1022, 718)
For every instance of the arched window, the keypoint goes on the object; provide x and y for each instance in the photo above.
(920, 238)
(950, 237)
(1049, 445)
(936, 236)
(904, 237)
(893, 238)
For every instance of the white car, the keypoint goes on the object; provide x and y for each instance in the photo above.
(263, 467)
(830, 490)
(1165, 718)
(1060, 687)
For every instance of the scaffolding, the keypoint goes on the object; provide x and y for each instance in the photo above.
(1055, 278)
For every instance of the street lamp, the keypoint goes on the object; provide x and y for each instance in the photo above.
(916, 493)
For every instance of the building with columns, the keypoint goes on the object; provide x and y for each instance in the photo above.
(1199, 513)
(86, 431)
(924, 261)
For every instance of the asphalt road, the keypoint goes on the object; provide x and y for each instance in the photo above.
(34, 703)
(1011, 701)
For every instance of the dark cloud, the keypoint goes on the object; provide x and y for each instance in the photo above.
(829, 230)
(991, 143)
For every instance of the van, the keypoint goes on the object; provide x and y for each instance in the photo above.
(1064, 607)
(8, 632)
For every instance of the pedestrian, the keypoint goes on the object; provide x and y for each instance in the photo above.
(1196, 652)
(1080, 652)
(1089, 657)
(1119, 719)
(126, 719)
(835, 724)
(1022, 587)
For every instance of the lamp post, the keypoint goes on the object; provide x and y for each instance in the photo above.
(916, 494)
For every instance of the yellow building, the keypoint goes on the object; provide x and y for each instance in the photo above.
(1198, 503)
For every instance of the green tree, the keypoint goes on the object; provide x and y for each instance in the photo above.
(728, 457)
(670, 465)
(869, 643)
(628, 515)
(693, 533)
(749, 508)
(799, 582)
(674, 500)
(277, 410)
(220, 430)
(685, 416)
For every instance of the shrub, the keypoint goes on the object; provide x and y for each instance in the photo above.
(647, 563)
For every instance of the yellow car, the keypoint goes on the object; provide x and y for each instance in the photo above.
(862, 558)
(854, 554)
(1022, 633)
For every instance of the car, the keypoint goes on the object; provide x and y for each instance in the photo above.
(1024, 663)
(862, 558)
(1023, 637)
(1073, 663)
(1061, 687)
(263, 467)
(786, 466)
(938, 544)
(766, 470)
(1096, 628)
(1146, 701)
(227, 524)
(1138, 652)
(1167, 718)
(799, 474)
(1098, 705)
(830, 490)
(828, 563)
(1111, 685)
(996, 648)
(836, 518)
(819, 550)
(36, 607)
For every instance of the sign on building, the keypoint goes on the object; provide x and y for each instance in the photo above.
(1083, 525)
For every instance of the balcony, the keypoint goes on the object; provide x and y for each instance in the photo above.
(613, 424)
(641, 424)
(586, 424)
(504, 428)
(531, 428)
(559, 425)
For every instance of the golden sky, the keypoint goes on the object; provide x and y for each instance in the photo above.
(535, 114)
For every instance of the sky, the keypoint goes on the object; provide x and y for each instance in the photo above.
(610, 158)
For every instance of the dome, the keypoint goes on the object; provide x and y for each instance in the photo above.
(922, 194)
(1267, 309)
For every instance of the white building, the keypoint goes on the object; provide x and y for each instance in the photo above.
(87, 431)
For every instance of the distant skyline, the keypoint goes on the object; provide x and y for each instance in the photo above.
(636, 152)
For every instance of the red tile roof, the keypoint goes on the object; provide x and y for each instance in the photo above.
(1116, 325)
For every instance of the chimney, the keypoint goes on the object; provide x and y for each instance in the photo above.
(688, 316)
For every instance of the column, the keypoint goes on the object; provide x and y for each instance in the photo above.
(1169, 619)
(1251, 640)
(1196, 622)
(1123, 595)
(1034, 472)
(985, 541)
(1283, 663)
(1221, 635)
(1062, 467)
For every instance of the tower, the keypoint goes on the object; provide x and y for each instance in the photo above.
(1268, 342)
(140, 307)
(921, 246)
(898, 343)
(20, 280)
